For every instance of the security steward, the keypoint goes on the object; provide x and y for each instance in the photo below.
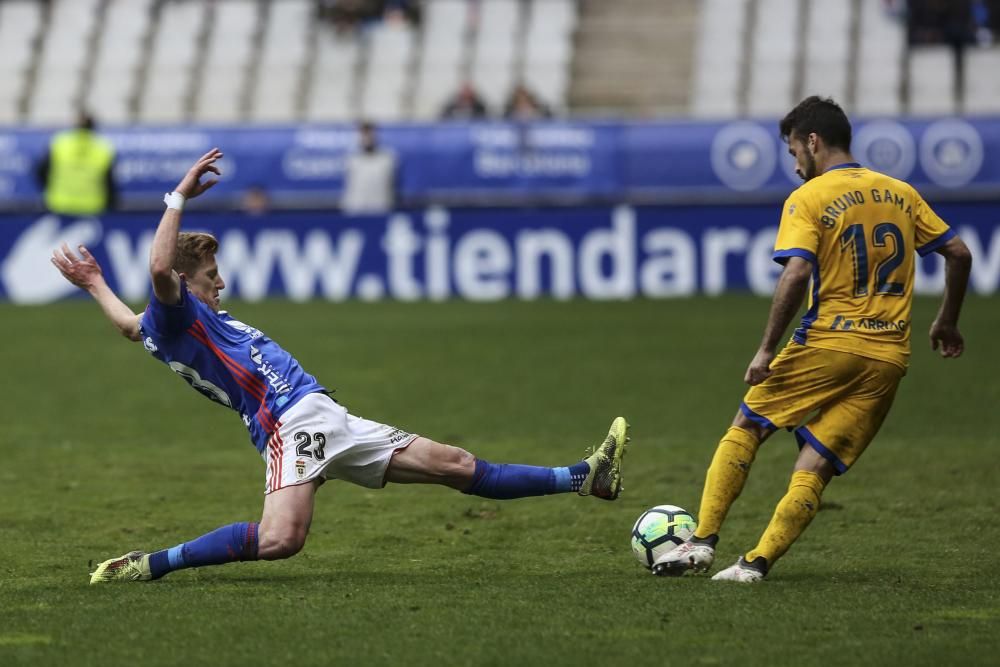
(76, 173)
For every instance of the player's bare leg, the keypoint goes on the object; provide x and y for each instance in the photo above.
(285, 521)
(427, 462)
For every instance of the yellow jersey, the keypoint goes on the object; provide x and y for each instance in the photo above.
(859, 229)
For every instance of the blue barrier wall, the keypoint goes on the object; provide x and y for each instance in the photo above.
(477, 254)
(497, 163)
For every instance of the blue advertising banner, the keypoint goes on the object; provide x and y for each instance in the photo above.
(618, 252)
(501, 163)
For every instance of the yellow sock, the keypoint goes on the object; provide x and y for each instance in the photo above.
(725, 478)
(791, 516)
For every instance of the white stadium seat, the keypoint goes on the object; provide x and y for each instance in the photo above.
(775, 50)
(981, 83)
(881, 40)
(932, 80)
(718, 58)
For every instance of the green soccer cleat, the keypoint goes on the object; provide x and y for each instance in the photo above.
(605, 477)
(133, 566)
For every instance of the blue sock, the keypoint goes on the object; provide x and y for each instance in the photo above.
(505, 481)
(237, 541)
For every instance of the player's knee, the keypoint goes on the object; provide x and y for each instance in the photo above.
(745, 423)
(282, 542)
(453, 466)
(456, 463)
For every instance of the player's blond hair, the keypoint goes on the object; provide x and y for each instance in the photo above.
(194, 250)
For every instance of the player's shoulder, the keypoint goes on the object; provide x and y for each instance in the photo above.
(877, 179)
(804, 198)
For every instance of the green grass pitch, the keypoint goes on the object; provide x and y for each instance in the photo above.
(104, 451)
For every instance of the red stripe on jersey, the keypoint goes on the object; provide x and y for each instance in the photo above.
(247, 375)
(253, 386)
(266, 419)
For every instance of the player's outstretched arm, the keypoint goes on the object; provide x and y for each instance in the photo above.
(85, 273)
(166, 282)
(944, 333)
(788, 296)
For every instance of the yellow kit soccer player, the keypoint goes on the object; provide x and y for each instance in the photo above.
(847, 236)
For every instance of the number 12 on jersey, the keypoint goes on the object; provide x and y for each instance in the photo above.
(853, 239)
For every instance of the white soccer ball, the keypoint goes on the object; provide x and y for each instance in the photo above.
(660, 529)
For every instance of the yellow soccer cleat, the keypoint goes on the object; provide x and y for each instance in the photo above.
(605, 477)
(133, 566)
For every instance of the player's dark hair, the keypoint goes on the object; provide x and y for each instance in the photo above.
(821, 116)
(194, 249)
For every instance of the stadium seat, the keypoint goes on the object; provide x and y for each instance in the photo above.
(222, 88)
(881, 40)
(120, 47)
(109, 95)
(20, 22)
(276, 90)
(442, 56)
(775, 50)
(330, 93)
(827, 49)
(169, 72)
(494, 83)
(981, 84)
(932, 80)
(62, 61)
(387, 77)
(495, 49)
(19, 26)
(718, 58)
(548, 49)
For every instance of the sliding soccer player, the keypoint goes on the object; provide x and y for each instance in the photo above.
(303, 435)
(851, 233)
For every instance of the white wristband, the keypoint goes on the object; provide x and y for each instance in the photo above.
(174, 200)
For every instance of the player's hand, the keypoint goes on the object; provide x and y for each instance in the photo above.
(191, 185)
(947, 339)
(760, 368)
(84, 272)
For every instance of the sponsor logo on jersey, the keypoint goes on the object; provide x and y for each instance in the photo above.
(397, 436)
(277, 381)
(867, 323)
(148, 343)
(300, 468)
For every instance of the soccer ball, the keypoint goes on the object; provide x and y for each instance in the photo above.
(660, 529)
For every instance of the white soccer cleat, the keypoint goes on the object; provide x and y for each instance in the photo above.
(743, 572)
(694, 556)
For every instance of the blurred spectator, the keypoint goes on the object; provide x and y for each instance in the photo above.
(77, 173)
(467, 105)
(525, 105)
(941, 22)
(370, 179)
(349, 14)
(255, 201)
(993, 15)
(983, 19)
(401, 10)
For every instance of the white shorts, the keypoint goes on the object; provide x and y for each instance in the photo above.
(317, 438)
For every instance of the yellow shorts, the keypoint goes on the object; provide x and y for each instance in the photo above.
(850, 394)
